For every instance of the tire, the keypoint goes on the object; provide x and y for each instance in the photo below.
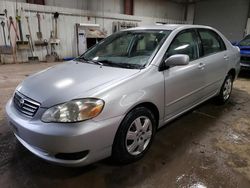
(226, 90)
(134, 136)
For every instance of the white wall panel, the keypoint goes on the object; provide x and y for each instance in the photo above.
(77, 4)
(115, 6)
(155, 8)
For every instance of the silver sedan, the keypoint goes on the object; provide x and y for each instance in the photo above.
(110, 100)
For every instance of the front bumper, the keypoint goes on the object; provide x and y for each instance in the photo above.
(245, 65)
(46, 140)
(245, 61)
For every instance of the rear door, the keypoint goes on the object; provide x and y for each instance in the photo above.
(214, 58)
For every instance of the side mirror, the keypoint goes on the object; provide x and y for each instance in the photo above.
(177, 60)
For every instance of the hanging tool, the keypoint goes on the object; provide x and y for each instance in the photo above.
(54, 34)
(56, 15)
(12, 24)
(31, 58)
(3, 25)
(5, 49)
(21, 45)
(10, 49)
(40, 41)
(39, 33)
(53, 52)
(30, 36)
(18, 19)
(7, 21)
(49, 57)
(54, 39)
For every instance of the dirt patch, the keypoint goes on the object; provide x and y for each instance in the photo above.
(236, 144)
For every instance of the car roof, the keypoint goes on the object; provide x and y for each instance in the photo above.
(168, 27)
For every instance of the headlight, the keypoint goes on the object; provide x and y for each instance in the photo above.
(74, 111)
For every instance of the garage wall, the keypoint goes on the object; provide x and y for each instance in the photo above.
(190, 13)
(148, 8)
(115, 6)
(159, 8)
(228, 16)
(66, 26)
(19, 1)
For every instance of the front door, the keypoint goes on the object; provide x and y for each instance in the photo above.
(183, 84)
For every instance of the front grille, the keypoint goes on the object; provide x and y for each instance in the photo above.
(245, 59)
(25, 105)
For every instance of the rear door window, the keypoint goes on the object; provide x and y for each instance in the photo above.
(211, 42)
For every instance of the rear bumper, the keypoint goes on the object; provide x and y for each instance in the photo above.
(46, 140)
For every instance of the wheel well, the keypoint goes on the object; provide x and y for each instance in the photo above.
(232, 72)
(152, 107)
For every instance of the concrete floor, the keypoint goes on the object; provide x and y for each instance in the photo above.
(207, 147)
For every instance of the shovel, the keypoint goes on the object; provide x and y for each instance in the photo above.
(39, 34)
(31, 58)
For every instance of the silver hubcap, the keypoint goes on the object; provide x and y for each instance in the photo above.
(227, 89)
(139, 135)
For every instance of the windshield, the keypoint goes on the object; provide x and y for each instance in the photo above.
(127, 49)
(245, 41)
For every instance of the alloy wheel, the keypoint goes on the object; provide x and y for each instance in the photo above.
(139, 135)
(227, 88)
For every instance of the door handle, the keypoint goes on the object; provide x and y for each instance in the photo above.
(226, 57)
(201, 66)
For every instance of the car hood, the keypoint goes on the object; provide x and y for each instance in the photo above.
(69, 81)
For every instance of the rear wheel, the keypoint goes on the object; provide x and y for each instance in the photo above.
(134, 135)
(226, 90)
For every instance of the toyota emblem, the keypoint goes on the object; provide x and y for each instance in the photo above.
(21, 102)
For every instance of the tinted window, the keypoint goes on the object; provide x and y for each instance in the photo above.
(184, 43)
(211, 42)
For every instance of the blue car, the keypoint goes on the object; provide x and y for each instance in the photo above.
(244, 46)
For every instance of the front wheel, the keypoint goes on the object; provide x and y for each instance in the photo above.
(134, 135)
(226, 90)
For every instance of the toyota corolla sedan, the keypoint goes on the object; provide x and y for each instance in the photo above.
(111, 100)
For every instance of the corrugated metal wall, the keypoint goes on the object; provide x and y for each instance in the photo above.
(66, 25)
(228, 16)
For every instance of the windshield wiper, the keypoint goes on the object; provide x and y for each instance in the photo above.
(122, 65)
(96, 62)
(89, 61)
(110, 63)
